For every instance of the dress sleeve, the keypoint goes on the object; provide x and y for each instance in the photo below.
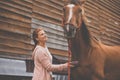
(45, 61)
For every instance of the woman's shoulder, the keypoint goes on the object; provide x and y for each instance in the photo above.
(38, 51)
(39, 48)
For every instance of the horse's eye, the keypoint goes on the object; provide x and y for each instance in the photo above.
(80, 10)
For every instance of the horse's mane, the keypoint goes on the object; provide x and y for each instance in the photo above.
(89, 39)
(85, 34)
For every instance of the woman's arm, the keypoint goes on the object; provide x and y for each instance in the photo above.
(45, 61)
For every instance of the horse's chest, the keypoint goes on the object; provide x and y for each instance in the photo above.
(83, 71)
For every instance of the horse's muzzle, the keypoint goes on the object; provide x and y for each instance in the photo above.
(69, 31)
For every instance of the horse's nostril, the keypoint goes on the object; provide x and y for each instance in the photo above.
(69, 31)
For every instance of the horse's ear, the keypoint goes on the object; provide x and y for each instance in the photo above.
(82, 1)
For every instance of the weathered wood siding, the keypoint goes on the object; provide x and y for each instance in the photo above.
(18, 18)
(48, 10)
(104, 20)
(56, 41)
(15, 27)
(48, 14)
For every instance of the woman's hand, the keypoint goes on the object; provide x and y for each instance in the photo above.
(73, 64)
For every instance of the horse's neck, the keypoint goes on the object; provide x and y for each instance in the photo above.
(82, 45)
(80, 49)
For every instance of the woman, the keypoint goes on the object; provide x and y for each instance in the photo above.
(43, 59)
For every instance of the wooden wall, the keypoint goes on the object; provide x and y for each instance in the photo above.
(15, 28)
(104, 20)
(18, 18)
(48, 10)
(47, 14)
(56, 41)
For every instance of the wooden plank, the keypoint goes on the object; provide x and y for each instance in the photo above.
(116, 2)
(29, 1)
(109, 26)
(23, 4)
(110, 41)
(15, 44)
(58, 52)
(46, 13)
(105, 18)
(58, 2)
(12, 55)
(15, 36)
(42, 17)
(110, 20)
(14, 22)
(104, 7)
(13, 3)
(110, 7)
(15, 10)
(14, 29)
(51, 4)
(13, 50)
(47, 7)
(15, 16)
(92, 17)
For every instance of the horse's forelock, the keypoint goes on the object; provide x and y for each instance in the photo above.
(70, 5)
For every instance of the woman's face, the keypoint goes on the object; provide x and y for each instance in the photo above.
(42, 37)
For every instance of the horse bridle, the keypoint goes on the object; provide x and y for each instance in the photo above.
(73, 29)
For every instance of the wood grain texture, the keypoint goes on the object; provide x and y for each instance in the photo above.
(18, 18)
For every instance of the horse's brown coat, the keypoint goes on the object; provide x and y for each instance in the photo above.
(97, 61)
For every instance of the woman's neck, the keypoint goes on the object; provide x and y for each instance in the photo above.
(42, 44)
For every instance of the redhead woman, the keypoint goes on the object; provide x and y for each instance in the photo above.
(42, 58)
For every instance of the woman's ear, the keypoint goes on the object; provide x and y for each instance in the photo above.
(36, 39)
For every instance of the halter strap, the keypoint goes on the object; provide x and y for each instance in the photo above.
(69, 58)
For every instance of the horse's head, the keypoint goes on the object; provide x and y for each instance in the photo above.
(72, 19)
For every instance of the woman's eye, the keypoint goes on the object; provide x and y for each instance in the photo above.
(41, 34)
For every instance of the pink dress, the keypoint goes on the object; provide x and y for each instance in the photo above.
(43, 64)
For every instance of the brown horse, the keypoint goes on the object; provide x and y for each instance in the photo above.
(97, 61)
